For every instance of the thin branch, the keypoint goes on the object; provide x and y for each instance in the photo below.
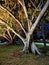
(40, 5)
(25, 11)
(24, 8)
(39, 17)
(9, 33)
(14, 36)
(3, 22)
(34, 5)
(32, 18)
(14, 18)
(4, 37)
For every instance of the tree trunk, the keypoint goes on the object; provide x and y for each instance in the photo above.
(26, 47)
(31, 48)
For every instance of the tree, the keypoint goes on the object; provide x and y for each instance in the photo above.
(31, 27)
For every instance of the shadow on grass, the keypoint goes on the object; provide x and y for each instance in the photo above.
(45, 50)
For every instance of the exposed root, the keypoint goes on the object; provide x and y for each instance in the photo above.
(34, 49)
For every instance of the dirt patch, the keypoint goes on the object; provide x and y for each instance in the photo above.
(15, 53)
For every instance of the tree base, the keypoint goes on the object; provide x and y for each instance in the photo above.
(35, 50)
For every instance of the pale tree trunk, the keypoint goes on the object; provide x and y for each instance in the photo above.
(30, 30)
(26, 44)
(33, 46)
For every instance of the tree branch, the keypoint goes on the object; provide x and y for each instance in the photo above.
(25, 11)
(14, 36)
(3, 22)
(4, 37)
(40, 5)
(24, 8)
(39, 17)
(9, 33)
(34, 5)
(14, 18)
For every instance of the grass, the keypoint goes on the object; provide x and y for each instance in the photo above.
(10, 55)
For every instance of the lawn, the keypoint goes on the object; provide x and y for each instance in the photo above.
(10, 55)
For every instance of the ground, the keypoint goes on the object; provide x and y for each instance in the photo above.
(10, 55)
